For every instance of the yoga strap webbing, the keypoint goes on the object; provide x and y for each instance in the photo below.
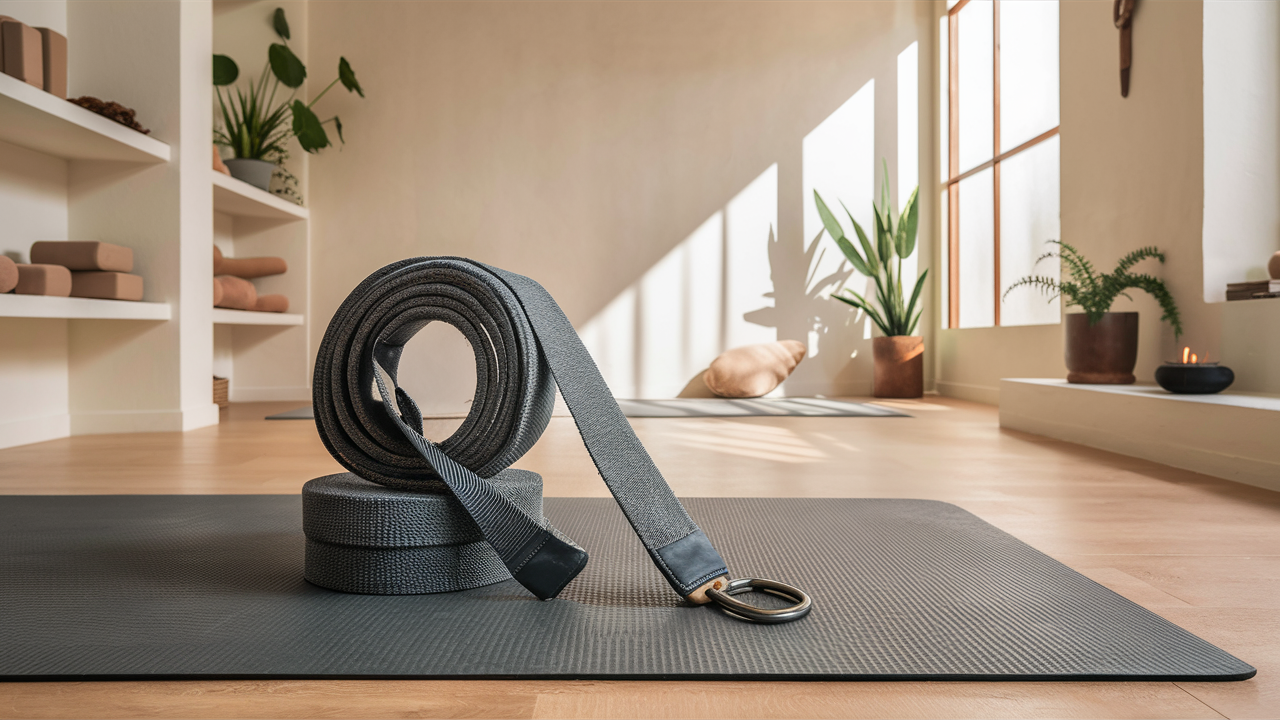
(524, 348)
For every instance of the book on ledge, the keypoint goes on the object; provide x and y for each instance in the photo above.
(1252, 289)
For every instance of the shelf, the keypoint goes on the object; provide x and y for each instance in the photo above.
(223, 316)
(35, 119)
(42, 306)
(240, 199)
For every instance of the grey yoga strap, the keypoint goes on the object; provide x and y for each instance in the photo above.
(524, 347)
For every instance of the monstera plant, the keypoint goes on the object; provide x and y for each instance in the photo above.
(258, 120)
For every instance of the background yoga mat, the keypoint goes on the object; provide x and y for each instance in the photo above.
(714, 407)
(152, 586)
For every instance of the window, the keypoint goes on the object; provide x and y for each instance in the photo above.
(1000, 160)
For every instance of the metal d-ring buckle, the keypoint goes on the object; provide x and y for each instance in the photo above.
(750, 613)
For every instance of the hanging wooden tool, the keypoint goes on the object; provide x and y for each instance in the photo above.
(1122, 13)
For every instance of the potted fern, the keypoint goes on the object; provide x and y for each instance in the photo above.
(256, 126)
(899, 353)
(1102, 346)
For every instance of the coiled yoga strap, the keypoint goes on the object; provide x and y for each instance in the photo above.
(524, 347)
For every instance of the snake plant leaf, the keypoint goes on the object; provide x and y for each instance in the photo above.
(915, 294)
(884, 241)
(348, 77)
(851, 253)
(886, 205)
(906, 236)
(306, 126)
(869, 252)
(225, 70)
(828, 220)
(286, 66)
(280, 25)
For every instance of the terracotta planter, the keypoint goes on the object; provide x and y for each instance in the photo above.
(1105, 353)
(899, 366)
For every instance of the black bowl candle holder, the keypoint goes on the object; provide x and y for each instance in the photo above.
(1194, 378)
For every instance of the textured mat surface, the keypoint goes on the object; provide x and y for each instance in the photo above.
(211, 586)
(713, 407)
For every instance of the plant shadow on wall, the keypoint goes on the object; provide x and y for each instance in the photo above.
(256, 129)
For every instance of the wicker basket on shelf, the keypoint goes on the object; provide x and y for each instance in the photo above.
(221, 390)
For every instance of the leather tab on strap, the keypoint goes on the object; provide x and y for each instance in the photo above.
(552, 564)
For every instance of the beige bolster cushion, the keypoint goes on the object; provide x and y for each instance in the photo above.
(237, 294)
(106, 285)
(8, 274)
(84, 255)
(753, 370)
(248, 268)
(39, 279)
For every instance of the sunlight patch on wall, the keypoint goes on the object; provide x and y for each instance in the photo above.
(694, 303)
(908, 144)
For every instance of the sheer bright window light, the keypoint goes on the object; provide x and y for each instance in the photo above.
(976, 83)
(977, 250)
(1028, 70)
(1029, 216)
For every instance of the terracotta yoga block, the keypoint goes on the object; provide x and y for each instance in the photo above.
(753, 370)
(1273, 266)
(54, 60)
(23, 52)
(220, 167)
(247, 268)
(106, 285)
(84, 255)
(8, 274)
(237, 293)
(272, 303)
(36, 279)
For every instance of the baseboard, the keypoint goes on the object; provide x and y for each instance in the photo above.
(33, 430)
(969, 391)
(129, 421)
(301, 393)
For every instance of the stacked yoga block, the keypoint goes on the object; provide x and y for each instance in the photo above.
(36, 56)
(74, 269)
(232, 289)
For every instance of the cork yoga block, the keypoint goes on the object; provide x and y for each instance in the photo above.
(55, 62)
(248, 268)
(84, 255)
(272, 303)
(237, 293)
(106, 285)
(8, 274)
(38, 279)
(23, 52)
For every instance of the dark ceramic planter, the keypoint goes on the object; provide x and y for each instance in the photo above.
(255, 172)
(1190, 379)
(1105, 353)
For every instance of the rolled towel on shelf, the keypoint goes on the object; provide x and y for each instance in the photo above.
(106, 285)
(237, 293)
(40, 279)
(272, 303)
(248, 268)
(84, 255)
(8, 274)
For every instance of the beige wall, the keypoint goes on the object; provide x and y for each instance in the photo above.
(1132, 175)
(582, 143)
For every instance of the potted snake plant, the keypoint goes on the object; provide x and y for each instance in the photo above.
(898, 352)
(259, 120)
(1101, 346)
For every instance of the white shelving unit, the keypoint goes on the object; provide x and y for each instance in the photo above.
(226, 316)
(240, 199)
(69, 308)
(35, 119)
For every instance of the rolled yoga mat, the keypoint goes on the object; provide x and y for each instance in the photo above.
(210, 586)
(524, 348)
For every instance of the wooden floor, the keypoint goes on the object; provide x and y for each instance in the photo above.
(1203, 553)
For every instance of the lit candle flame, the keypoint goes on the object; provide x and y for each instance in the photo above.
(1188, 357)
(1193, 359)
(1185, 352)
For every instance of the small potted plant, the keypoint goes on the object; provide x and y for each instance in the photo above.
(255, 126)
(899, 354)
(1102, 346)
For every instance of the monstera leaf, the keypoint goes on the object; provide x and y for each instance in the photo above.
(225, 70)
(286, 66)
(307, 128)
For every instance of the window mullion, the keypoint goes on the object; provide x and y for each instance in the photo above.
(953, 190)
(995, 151)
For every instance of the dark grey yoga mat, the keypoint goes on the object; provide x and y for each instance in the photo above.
(713, 407)
(168, 586)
